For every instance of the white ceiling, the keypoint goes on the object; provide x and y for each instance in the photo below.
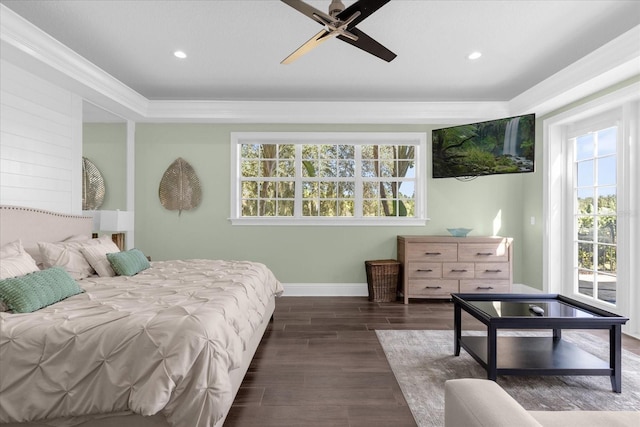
(235, 47)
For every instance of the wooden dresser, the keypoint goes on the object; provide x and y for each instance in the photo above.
(436, 266)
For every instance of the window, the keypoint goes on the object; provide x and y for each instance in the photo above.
(595, 213)
(328, 178)
(591, 203)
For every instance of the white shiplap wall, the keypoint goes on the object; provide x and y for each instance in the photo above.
(40, 142)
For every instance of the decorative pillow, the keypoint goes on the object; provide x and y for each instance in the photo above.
(11, 249)
(96, 255)
(37, 255)
(34, 252)
(67, 255)
(14, 261)
(36, 290)
(128, 263)
(18, 265)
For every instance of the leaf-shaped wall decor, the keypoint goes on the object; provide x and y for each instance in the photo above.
(93, 188)
(180, 187)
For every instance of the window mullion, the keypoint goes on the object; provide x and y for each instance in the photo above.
(596, 230)
(358, 182)
(297, 209)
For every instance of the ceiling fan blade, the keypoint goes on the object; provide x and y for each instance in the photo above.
(313, 42)
(365, 7)
(308, 10)
(343, 26)
(368, 44)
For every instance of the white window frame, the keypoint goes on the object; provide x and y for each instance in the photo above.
(596, 123)
(417, 139)
(621, 105)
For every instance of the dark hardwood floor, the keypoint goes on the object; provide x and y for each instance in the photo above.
(320, 363)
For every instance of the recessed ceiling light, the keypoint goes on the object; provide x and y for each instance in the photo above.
(179, 54)
(474, 55)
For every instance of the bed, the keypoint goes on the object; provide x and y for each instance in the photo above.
(168, 346)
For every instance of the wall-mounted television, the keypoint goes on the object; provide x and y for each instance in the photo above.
(499, 146)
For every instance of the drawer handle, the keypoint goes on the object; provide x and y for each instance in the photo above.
(484, 253)
(485, 287)
(433, 287)
(458, 271)
(493, 271)
(433, 253)
(427, 271)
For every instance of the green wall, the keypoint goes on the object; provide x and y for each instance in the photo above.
(500, 205)
(529, 248)
(105, 144)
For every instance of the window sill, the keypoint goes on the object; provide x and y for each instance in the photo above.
(331, 222)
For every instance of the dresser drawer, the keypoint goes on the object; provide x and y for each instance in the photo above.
(485, 286)
(424, 270)
(484, 252)
(432, 252)
(432, 288)
(492, 270)
(458, 270)
(437, 266)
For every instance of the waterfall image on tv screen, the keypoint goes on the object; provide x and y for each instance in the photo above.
(485, 148)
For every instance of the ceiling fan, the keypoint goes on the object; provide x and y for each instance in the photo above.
(341, 23)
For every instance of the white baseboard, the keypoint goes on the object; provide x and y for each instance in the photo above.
(358, 289)
(325, 290)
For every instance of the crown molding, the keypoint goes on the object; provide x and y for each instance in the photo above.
(612, 63)
(27, 44)
(29, 47)
(322, 112)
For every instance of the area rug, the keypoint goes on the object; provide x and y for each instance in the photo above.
(423, 360)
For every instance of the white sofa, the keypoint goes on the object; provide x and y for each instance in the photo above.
(471, 402)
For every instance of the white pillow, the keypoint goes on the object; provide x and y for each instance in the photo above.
(96, 255)
(11, 249)
(35, 251)
(67, 254)
(14, 261)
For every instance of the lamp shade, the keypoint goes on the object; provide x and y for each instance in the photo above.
(116, 221)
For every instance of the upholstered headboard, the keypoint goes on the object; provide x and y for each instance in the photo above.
(35, 225)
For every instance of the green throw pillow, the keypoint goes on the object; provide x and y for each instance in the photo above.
(128, 263)
(33, 291)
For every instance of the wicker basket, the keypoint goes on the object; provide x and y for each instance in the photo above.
(382, 279)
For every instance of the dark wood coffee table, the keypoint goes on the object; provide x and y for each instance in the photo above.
(528, 355)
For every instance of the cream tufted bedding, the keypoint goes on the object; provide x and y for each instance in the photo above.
(163, 341)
